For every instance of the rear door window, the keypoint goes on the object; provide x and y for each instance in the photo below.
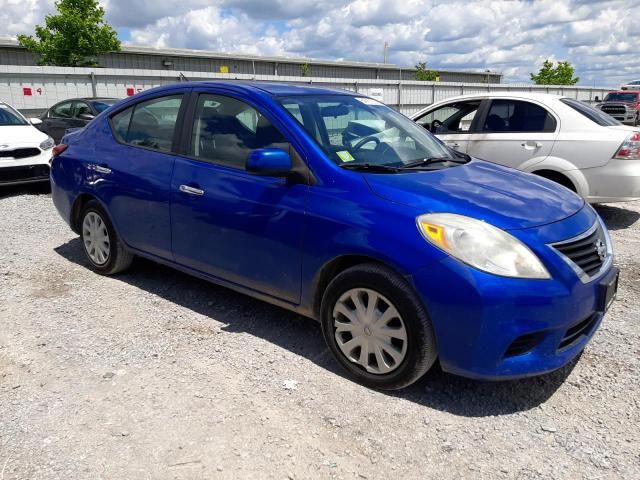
(516, 116)
(62, 110)
(149, 124)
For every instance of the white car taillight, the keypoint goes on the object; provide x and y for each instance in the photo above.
(630, 148)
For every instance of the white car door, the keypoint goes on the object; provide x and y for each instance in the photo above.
(515, 133)
(451, 122)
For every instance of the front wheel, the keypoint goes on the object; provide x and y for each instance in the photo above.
(104, 249)
(377, 328)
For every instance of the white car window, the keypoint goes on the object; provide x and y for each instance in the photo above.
(518, 116)
(451, 118)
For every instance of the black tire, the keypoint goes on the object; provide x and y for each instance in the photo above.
(118, 258)
(421, 350)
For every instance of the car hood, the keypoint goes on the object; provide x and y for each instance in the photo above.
(21, 135)
(501, 196)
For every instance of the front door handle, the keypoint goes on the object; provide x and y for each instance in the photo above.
(99, 168)
(191, 190)
(452, 144)
(531, 145)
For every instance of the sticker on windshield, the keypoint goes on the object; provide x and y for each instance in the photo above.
(369, 101)
(345, 156)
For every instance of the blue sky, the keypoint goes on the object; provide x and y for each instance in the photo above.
(600, 38)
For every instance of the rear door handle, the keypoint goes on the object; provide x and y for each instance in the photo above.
(191, 190)
(99, 168)
(531, 145)
(453, 144)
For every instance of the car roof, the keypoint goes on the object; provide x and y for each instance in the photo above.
(88, 99)
(514, 94)
(278, 89)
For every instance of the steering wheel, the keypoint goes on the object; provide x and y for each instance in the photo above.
(435, 124)
(366, 140)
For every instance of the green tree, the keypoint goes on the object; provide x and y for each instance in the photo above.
(561, 74)
(424, 74)
(305, 70)
(74, 37)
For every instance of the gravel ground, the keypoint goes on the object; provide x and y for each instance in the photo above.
(154, 374)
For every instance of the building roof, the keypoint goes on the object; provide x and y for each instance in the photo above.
(183, 52)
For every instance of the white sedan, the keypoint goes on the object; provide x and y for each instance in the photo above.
(555, 137)
(24, 150)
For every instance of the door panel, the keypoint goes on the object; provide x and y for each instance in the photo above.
(137, 194)
(514, 133)
(133, 177)
(242, 228)
(226, 222)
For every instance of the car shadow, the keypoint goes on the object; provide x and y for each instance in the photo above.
(43, 188)
(302, 336)
(617, 218)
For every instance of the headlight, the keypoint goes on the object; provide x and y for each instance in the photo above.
(481, 245)
(48, 144)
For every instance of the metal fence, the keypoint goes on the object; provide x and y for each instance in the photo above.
(34, 89)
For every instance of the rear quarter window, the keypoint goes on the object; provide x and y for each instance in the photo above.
(593, 114)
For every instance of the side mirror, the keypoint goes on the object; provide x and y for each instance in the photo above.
(35, 121)
(271, 162)
(86, 116)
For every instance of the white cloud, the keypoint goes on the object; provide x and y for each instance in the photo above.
(600, 38)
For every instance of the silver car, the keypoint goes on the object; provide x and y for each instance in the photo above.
(556, 137)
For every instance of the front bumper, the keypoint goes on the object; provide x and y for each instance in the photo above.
(617, 181)
(496, 328)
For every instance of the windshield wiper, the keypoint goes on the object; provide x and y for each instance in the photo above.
(424, 162)
(372, 167)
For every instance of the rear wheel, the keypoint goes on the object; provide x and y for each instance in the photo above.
(377, 328)
(104, 249)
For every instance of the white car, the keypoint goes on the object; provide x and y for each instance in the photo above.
(632, 85)
(556, 137)
(24, 150)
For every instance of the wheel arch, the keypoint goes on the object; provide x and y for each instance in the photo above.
(563, 169)
(558, 177)
(332, 268)
(76, 210)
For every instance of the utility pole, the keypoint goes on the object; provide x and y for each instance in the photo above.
(386, 49)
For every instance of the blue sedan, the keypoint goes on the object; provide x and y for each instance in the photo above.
(335, 206)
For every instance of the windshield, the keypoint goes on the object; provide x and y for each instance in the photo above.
(595, 115)
(359, 130)
(8, 116)
(621, 97)
(102, 105)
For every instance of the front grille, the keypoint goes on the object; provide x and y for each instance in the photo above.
(577, 332)
(523, 344)
(588, 253)
(25, 173)
(20, 153)
(614, 109)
